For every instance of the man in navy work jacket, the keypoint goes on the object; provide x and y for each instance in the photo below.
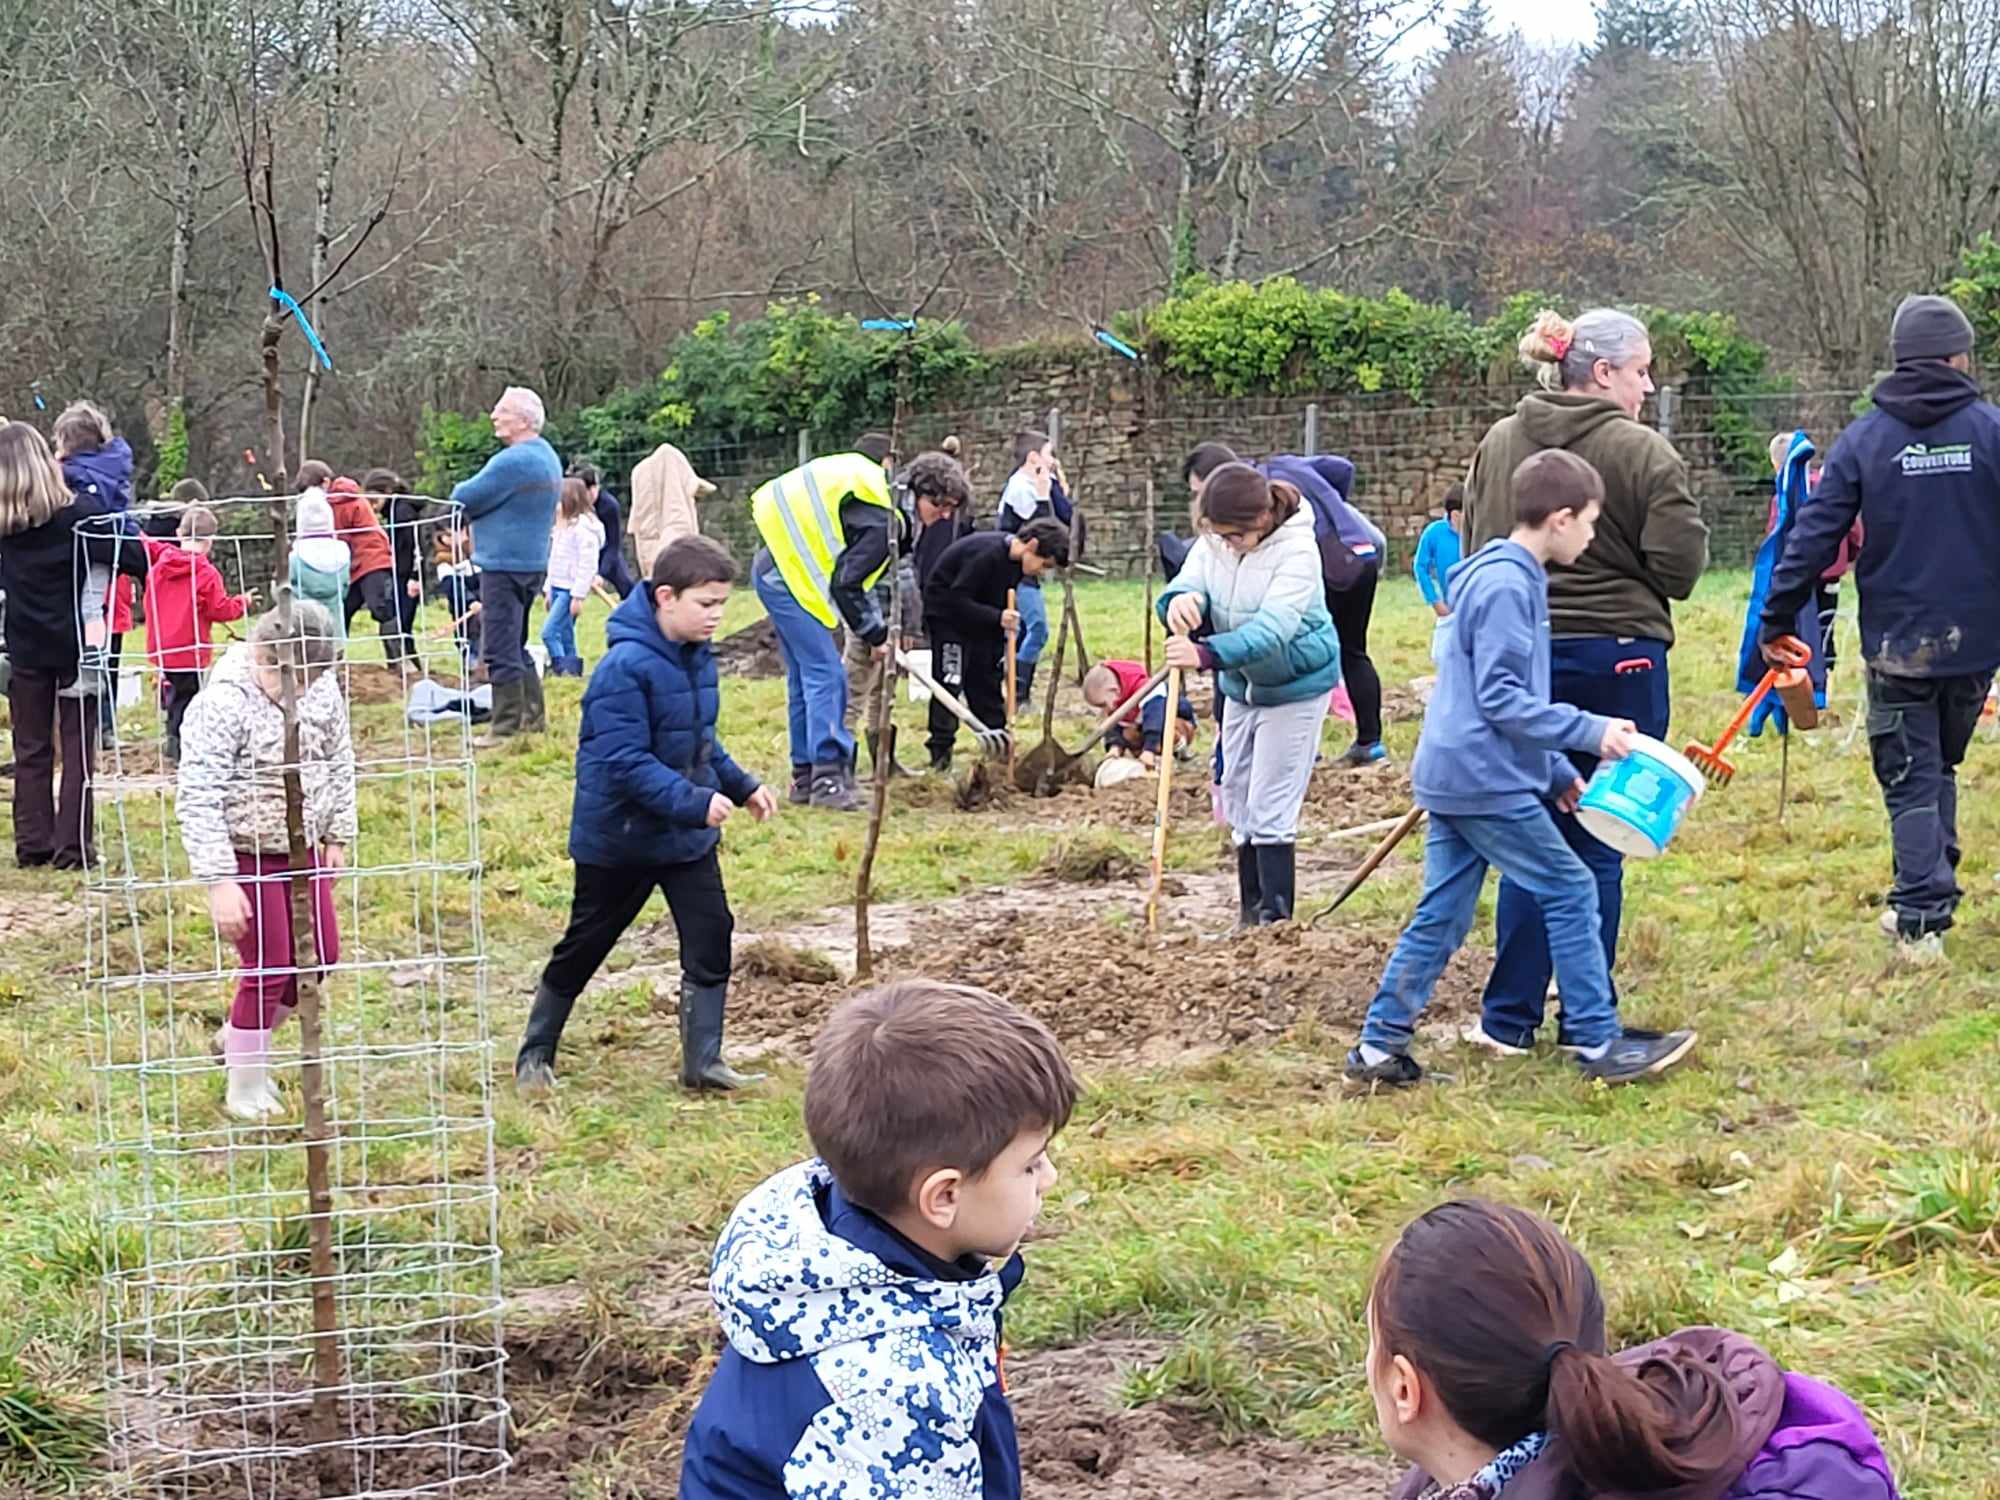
(1922, 471)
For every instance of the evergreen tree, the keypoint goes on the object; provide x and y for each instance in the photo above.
(1626, 29)
(1471, 30)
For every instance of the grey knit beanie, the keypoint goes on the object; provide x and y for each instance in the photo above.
(1929, 327)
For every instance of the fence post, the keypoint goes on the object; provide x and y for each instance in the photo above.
(1665, 421)
(1055, 428)
(805, 446)
(1312, 429)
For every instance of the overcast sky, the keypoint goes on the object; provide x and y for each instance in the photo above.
(1559, 21)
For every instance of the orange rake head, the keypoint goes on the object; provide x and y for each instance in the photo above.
(1787, 652)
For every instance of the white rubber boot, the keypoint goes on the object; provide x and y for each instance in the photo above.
(247, 1057)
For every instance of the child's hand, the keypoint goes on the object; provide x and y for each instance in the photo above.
(1441, 609)
(1010, 620)
(1569, 796)
(1183, 653)
(229, 909)
(253, 600)
(333, 856)
(719, 809)
(414, 589)
(1148, 759)
(575, 605)
(763, 804)
(1184, 615)
(1618, 739)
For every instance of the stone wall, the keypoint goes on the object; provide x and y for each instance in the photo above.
(1406, 453)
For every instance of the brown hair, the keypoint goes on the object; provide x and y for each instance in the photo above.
(187, 492)
(81, 428)
(31, 482)
(1206, 458)
(197, 524)
(938, 476)
(575, 502)
(1503, 1318)
(1552, 481)
(1238, 497)
(1028, 442)
(383, 482)
(921, 1075)
(874, 446)
(1454, 496)
(688, 562)
(313, 472)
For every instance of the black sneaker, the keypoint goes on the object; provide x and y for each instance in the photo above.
(830, 792)
(1633, 1056)
(1396, 1071)
(1632, 1034)
(801, 789)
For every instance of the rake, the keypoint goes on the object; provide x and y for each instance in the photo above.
(1787, 653)
(992, 741)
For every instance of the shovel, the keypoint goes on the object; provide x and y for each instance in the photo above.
(1161, 808)
(1050, 760)
(992, 741)
(1013, 641)
(1380, 852)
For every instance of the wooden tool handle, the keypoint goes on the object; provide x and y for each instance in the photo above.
(1380, 852)
(1173, 708)
(1162, 807)
(1013, 638)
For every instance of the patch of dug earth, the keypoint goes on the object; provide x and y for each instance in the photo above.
(1116, 998)
(1078, 1438)
(750, 652)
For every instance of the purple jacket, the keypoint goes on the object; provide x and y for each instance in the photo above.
(1349, 543)
(1795, 1438)
(105, 472)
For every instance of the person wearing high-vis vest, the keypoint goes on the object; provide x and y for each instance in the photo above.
(825, 528)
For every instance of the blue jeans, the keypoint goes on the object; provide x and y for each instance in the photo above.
(815, 679)
(1586, 672)
(1525, 847)
(559, 630)
(1034, 612)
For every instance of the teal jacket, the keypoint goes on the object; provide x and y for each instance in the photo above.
(1268, 631)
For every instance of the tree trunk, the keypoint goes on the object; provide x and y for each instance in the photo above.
(187, 172)
(331, 100)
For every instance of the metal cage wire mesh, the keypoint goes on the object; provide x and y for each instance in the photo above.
(208, 1331)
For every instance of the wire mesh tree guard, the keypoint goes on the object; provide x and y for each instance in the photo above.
(308, 1305)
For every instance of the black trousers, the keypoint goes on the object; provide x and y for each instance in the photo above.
(378, 593)
(974, 670)
(504, 602)
(1351, 610)
(181, 688)
(609, 898)
(1919, 729)
(47, 830)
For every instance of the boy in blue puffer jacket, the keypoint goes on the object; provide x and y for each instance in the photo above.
(653, 788)
(1490, 761)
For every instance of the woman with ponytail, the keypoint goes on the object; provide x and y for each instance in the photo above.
(1610, 612)
(1487, 1362)
(1248, 604)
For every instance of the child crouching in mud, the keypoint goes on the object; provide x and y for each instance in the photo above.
(231, 805)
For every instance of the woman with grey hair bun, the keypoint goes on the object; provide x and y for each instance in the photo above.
(1610, 612)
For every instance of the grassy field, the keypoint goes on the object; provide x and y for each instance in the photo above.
(1825, 1175)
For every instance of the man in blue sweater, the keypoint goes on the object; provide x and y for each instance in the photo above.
(1922, 472)
(511, 504)
(1489, 763)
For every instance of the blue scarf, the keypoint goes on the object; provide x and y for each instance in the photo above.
(1750, 665)
(1490, 1481)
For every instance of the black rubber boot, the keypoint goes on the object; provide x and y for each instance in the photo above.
(1249, 889)
(508, 700)
(1024, 682)
(535, 1063)
(702, 1066)
(875, 767)
(1278, 876)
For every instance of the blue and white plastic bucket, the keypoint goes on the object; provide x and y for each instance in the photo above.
(1636, 805)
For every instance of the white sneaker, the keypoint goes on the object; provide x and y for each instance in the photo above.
(1476, 1035)
(1887, 921)
(1920, 952)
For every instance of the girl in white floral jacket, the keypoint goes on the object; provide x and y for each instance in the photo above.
(231, 806)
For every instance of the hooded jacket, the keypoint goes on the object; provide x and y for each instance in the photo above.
(1790, 1437)
(106, 474)
(1922, 472)
(1270, 634)
(647, 759)
(859, 1367)
(1492, 739)
(355, 523)
(1350, 545)
(230, 796)
(1651, 545)
(185, 595)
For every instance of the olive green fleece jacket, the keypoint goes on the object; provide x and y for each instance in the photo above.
(1651, 544)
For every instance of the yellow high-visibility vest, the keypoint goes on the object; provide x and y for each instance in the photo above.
(798, 516)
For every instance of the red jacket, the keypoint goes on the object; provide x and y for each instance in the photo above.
(355, 523)
(185, 596)
(1131, 676)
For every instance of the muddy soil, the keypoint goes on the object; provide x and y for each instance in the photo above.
(750, 652)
